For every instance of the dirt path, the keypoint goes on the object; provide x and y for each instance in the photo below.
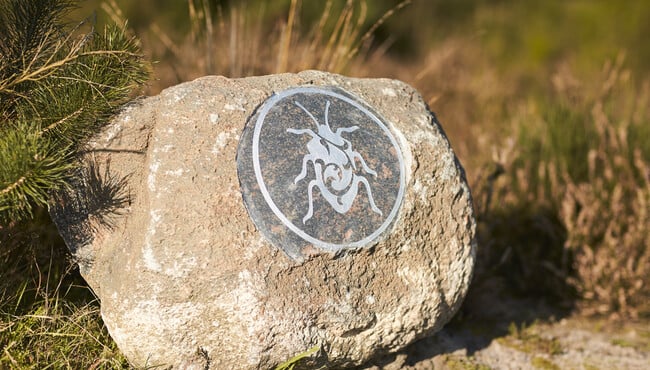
(562, 345)
(506, 333)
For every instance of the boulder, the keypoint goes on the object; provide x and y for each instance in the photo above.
(235, 223)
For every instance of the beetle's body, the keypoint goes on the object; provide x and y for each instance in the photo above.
(335, 167)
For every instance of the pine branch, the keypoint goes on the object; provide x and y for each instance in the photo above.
(32, 169)
(58, 86)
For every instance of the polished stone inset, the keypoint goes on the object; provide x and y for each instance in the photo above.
(318, 167)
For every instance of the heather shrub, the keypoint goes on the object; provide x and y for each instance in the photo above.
(577, 187)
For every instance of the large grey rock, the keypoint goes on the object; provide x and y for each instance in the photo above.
(159, 227)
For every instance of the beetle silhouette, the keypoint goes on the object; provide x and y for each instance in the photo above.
(335, 166)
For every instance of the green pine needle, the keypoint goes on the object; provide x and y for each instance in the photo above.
(58, 87)
(32, 167)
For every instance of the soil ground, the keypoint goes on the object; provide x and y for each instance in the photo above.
(502, 332)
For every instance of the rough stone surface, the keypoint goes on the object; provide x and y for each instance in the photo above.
(162, 235)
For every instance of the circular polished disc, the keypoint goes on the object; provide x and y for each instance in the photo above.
(318, 167)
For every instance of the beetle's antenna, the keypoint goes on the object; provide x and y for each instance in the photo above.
(327, 112)
(309, 114)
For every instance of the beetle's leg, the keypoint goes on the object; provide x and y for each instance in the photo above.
(303, 172)
(300, 131)
(310, 190)
(349, 153)
(371, 200)
(356, 155)
(346, 129)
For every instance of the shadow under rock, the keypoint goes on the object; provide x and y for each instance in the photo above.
(522, 276)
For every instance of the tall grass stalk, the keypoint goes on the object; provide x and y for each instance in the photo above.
(244, 44)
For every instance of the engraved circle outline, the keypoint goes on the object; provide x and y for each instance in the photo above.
(270, 103)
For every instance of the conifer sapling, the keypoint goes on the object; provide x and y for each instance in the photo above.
(58, 86)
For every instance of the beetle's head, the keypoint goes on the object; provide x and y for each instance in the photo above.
(326, 133)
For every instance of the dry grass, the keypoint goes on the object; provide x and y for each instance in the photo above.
(607, 214)
(242, 42)
(579, 173)
(58, 335)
